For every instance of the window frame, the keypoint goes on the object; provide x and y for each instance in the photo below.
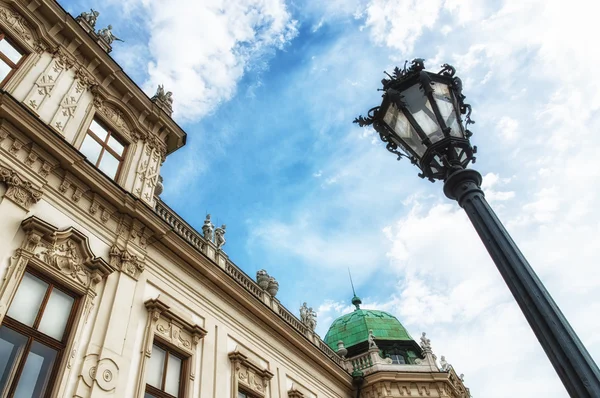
(158, 393)
(14, 67)
(32, 334)
(105, 146)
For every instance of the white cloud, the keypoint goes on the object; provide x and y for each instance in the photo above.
(200, 50)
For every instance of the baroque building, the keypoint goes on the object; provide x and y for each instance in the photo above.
(106, 292)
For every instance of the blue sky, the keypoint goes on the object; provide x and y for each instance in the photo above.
(267, 91)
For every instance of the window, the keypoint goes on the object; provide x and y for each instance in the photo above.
(164, 373)
(398, 359)
(103, 148)
(10, 58)
(33, 335)
(243, 394)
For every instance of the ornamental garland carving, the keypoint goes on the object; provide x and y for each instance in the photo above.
(248, 375)
(18, 24)
(126, 262)
(22, 192)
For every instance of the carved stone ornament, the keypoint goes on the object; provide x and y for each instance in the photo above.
(293, 393)
(247, 375)
(18, 24)
(170, 327)
(62, 254)
(104, 372)
(22, 192)
(164, 99)
(126, 262)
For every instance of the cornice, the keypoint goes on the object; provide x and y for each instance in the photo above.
(74, 168)
(103, 67)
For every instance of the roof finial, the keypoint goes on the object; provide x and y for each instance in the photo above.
(356, 301)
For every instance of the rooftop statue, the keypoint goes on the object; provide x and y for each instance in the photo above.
(220, 236)
(372, 340)
(208, 228)
(89, 17)
(161, 95)
(107, 35)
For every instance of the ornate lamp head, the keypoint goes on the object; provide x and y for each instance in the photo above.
(420, 119)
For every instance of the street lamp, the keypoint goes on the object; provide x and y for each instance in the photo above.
(420, 118)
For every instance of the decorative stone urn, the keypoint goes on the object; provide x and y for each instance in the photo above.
(273, 287)
(159, 186)
(262, 278)
(341, 350)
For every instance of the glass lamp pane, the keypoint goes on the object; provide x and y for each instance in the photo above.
(12, 53)
(26, 304)
(420, 108)
(90, 149)
(173, 375)
(109, 164)
(115, 145)
(98, 130)
(396, 120)
(446, 105)
(4, 70)
(156, 364)
(36, 372)
(11, 349)
(56, 314)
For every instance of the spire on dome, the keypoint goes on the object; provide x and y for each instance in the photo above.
(356, 301)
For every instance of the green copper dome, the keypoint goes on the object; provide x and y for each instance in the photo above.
(353, 328)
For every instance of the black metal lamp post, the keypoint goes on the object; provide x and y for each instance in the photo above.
(420, 119)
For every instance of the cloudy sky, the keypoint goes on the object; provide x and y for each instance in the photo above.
(267, 91)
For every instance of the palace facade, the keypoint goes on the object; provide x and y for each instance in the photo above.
(105, 291)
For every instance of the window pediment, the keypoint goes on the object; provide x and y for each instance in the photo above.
(66, 252)
(247, 375)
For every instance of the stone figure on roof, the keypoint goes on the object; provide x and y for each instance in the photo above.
(161, 95)
(425, 342)
(445, 366)
(372, 340)
(220, 236)
(208, 228)
(90, 17)
(303, 313)
(107, 35)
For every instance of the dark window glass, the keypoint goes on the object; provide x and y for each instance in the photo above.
(164, 371)
(10, 58)
(32, 337)
(101, 147)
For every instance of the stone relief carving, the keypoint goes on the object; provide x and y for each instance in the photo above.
(22, 192)
(17, 23)
(171, 327)
(249, 375)
(126, 262)
(103, 371)
(47, 80)
(147, 174)
(68, 106)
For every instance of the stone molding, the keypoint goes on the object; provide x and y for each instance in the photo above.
(17, 24)
(170, 327)
(293, 393)
(247, 375)
(65, 256)
(128, 263)
(20, 191)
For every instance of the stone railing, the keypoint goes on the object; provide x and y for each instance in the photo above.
(362, 361)
(180, 227)
(194, 238)
(244, 280)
